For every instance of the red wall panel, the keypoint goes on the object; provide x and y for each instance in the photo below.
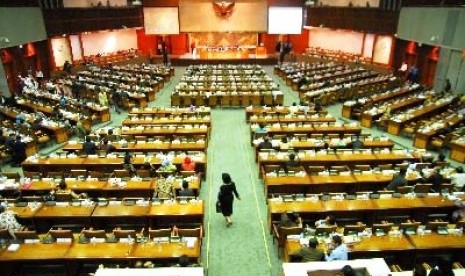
(269, 41)
(179, 44)
(299, 42)
(147, 44)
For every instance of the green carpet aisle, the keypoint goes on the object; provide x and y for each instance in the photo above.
(245, 248)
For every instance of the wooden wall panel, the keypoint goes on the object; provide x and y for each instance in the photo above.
(77, 20)
(368, 20)
(160, 3)
(286, 3)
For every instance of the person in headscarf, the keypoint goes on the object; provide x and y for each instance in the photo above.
(167, 165)
(188, 165)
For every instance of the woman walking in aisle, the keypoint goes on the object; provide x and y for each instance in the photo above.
(226, 197)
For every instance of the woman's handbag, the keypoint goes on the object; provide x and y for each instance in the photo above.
(218, 206)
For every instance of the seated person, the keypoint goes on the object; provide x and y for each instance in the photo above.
(265, 144)
(8, 221)
(106, 146)
(329, 221)
(186, 191)
(284, 145)
(127, 163)
(357, 144)
(441, 159)
(62, 188)
(459, 214)
(89, 147)
(338, 250)
(290, 220)
(188, 165)
(398, 180)
(164, 188)
(292, 162)
(338, 142)
(293, 108)
(261, 129)
(436, 179)
(347, 270)
(458, 178)
(167, 165)
(310, 253)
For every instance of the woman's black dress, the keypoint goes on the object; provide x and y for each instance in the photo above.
(226, 198)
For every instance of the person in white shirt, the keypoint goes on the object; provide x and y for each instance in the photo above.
(8, 221)
(458, 178)
(293, 108)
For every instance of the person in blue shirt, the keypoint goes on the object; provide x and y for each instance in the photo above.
(63, 101)
(340, 250)
(261, 129)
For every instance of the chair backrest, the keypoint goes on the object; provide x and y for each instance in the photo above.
(63, 196)
(383, 227)
(124, 233)
(78, 173)
(434, 225)
(446, 187)
(195, 232)
(144, 173)
(157, 233)
(363, 167)
(356, 228)
(60, 233)
(33, 175)
(122, 173)
(90, 233)
(23, 235)
(12, 175)
(326, 229)
(97, 174)
(404, 189)
(315, 169)
(411, 226)
(422, 188)
(5, 234)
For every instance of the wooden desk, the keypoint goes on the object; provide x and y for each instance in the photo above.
(368, 118)
(151, 146)
(133, 188)
(104, 188)
(314, 184)
(292, 119)
(368, 211)
(368, 247)
(257, 110)
(168, 111)
(165, 121)
(457, 152)
(165, 251)
(36, 252)
(27, 212)
(111, 216)
(423, 138)
(167, 215)
(58, 216)
(395, 126)
(337, 159)
(91, 251)
(168, 131)
(59, 132)
(106, 164)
